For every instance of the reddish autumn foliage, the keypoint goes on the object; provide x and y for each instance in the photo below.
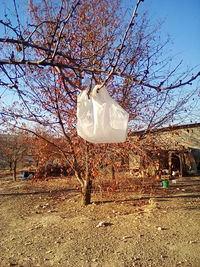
(68, 46)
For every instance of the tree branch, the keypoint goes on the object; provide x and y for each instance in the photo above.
(90, 71)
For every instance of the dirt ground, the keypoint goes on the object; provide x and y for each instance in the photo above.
(43, 224)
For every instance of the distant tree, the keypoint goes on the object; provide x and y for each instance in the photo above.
(45, 153)
(13, 150)
(68, 46)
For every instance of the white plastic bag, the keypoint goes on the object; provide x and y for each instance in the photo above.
(100, 119)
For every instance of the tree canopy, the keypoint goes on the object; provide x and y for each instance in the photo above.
(60, 48)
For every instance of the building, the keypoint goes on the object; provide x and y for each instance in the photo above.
(172, 151)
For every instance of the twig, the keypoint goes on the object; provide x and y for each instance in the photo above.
(131, 24)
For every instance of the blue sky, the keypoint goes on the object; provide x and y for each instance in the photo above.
(181, 22)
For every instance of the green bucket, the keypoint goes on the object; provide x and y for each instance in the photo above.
(165, 183)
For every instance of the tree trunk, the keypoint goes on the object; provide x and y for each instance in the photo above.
(14, 171)
(10, 166)
(113, 172)
(86, 192)
(170, 163)
(87, 183)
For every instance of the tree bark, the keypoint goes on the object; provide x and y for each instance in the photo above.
(10, 166)
(14, 171)
(87, 183)
(170, 163)
(113, 173)
(86, 192)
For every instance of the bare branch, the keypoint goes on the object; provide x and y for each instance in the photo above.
(65, 21)
(28, 44)
(90, 71)
(120, 49)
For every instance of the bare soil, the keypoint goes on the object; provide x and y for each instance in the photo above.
(43, 224)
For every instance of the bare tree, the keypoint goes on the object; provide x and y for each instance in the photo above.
(68, 46)
(12, 150)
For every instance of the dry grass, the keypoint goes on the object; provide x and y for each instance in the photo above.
(104, 187)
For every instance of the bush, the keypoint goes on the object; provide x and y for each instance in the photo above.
(53, 171)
